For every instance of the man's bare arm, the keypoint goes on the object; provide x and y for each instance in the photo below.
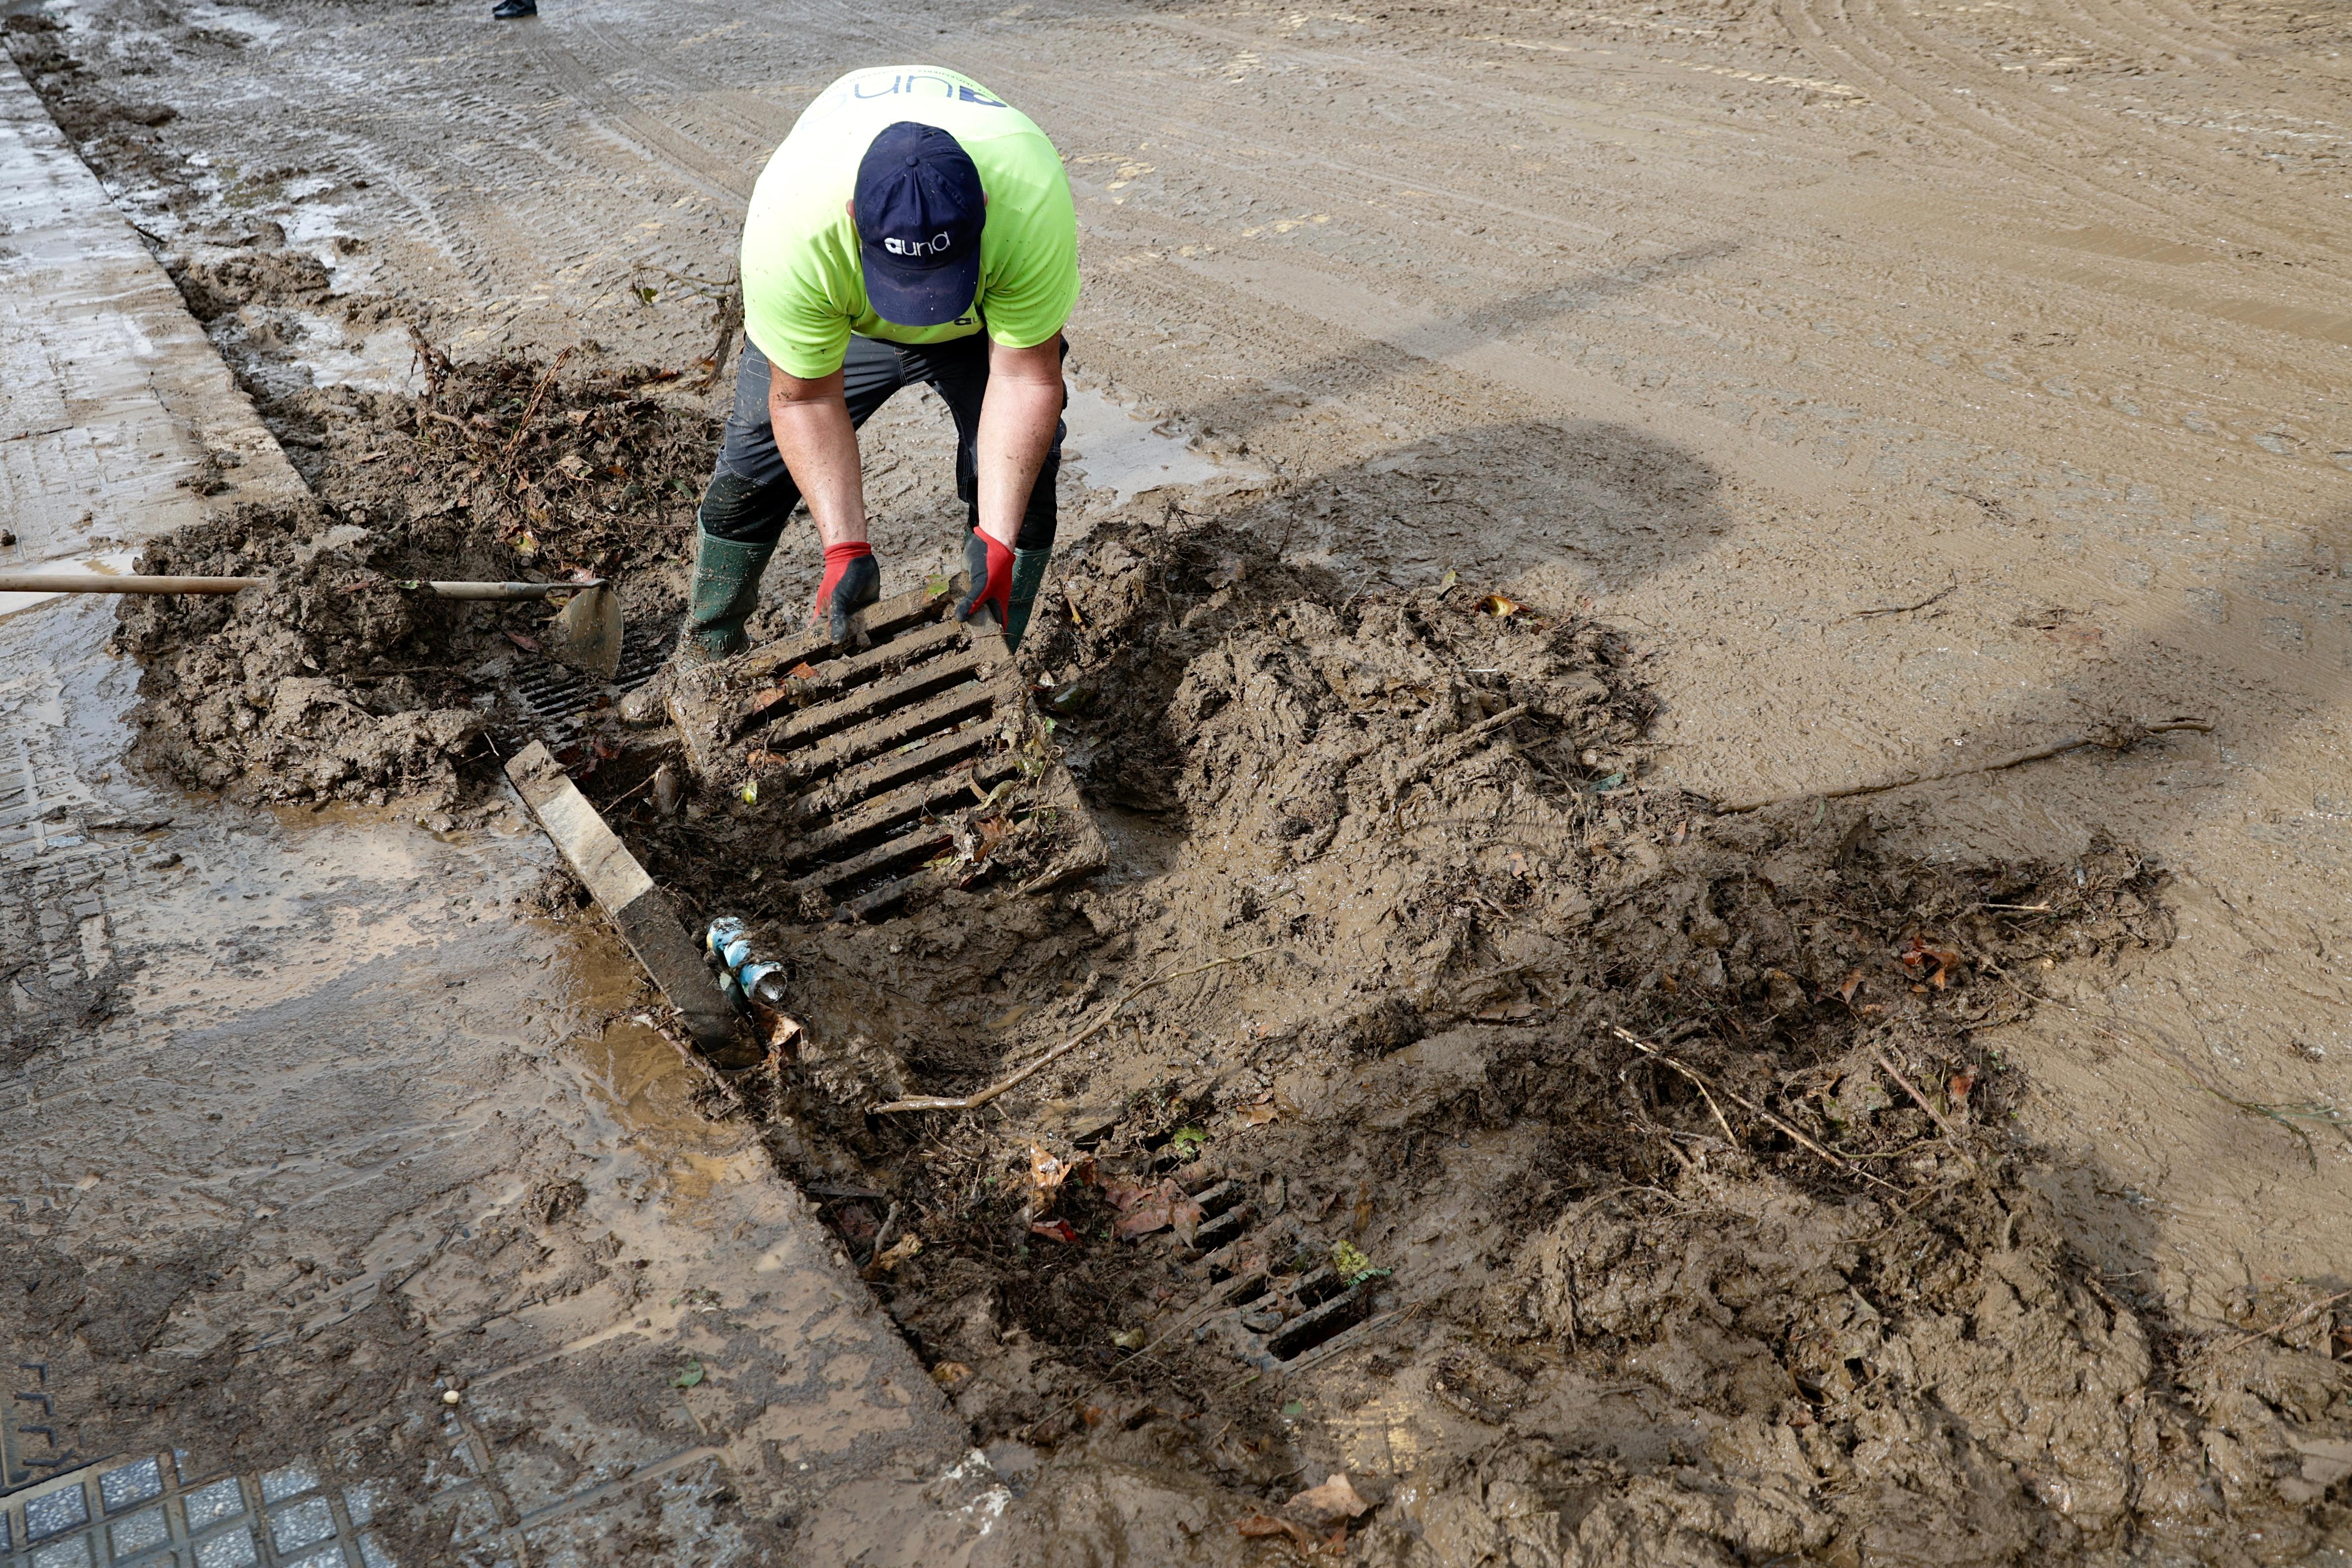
(1017, 418)
(819, 445)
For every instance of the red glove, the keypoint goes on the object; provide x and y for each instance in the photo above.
(853, 580)
(989, 565)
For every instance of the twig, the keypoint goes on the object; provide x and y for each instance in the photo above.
(2283, 1324)
(1750, 1106)
(1904, 609)
(978, 1098)
(530, 409)
(1934, 1115)
(2121, 739)
(881, 1237)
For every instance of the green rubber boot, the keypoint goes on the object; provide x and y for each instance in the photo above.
(1028, 574)
(726, 590)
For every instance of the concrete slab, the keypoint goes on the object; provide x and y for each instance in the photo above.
(118, 420)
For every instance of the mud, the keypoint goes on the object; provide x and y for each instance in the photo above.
(1756, 327)
(1741, 1292)
(328, 681)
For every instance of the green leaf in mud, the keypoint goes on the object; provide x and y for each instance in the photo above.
(1451, 577)
(1349, 1263)
(751, 792)
(1186, 1140)
(688, 1374)
(936, 587)
(1297, 1407)
(1603, 787)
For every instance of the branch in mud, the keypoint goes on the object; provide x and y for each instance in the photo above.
(978, 1098)
(1705, 1084)
(2121, 738)
(726, 313)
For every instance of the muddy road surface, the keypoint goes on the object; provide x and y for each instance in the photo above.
(1836, 397)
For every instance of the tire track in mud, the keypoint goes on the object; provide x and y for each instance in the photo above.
(655, 141)
(2048, 143)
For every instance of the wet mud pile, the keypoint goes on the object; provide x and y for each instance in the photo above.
(1587, 1176)
(328, 680)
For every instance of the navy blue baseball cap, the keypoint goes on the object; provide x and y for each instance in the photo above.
(920, 213)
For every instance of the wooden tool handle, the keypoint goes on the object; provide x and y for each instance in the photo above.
(102, 583)
(508, 591)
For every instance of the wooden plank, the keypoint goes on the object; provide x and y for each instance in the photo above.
(628, 898)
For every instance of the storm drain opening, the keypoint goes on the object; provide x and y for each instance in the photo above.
(911, 759)
(1279, 1299)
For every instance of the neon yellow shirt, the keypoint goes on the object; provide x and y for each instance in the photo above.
(804, 287)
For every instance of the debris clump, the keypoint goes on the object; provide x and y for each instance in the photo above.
(328, 680)
(1640, 1170)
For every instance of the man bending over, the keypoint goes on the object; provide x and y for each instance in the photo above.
(913, 227)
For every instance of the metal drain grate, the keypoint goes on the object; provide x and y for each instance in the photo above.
(557, 695)
(1275, 1311)
(29, 1433)
(875, 762)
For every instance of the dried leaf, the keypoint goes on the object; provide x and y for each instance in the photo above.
(1335, 1500)
(1263, 1112)
(528, 645)
(1055, 1229)
(1496, 606)
(1962, 1081)
(1046, 1174)
(952, 1374)
(1852, 983)
(1451, 577)
(899, 1251)
(1259, 1525)
(1161, 1205)
(803, 671)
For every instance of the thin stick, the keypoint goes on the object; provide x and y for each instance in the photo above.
(978, 1098)
(881, 1240)
(1906, 609)
(1934, 1115)
(1750, 1106)
(2283, 1324)
(2119, 739)
(530, 409)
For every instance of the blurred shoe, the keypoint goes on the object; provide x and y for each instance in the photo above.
(508, 10)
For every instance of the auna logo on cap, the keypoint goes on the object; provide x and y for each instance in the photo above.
(938, 245)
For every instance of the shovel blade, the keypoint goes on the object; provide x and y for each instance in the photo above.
(587, 633)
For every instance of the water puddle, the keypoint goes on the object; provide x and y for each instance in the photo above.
(1113, 449)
